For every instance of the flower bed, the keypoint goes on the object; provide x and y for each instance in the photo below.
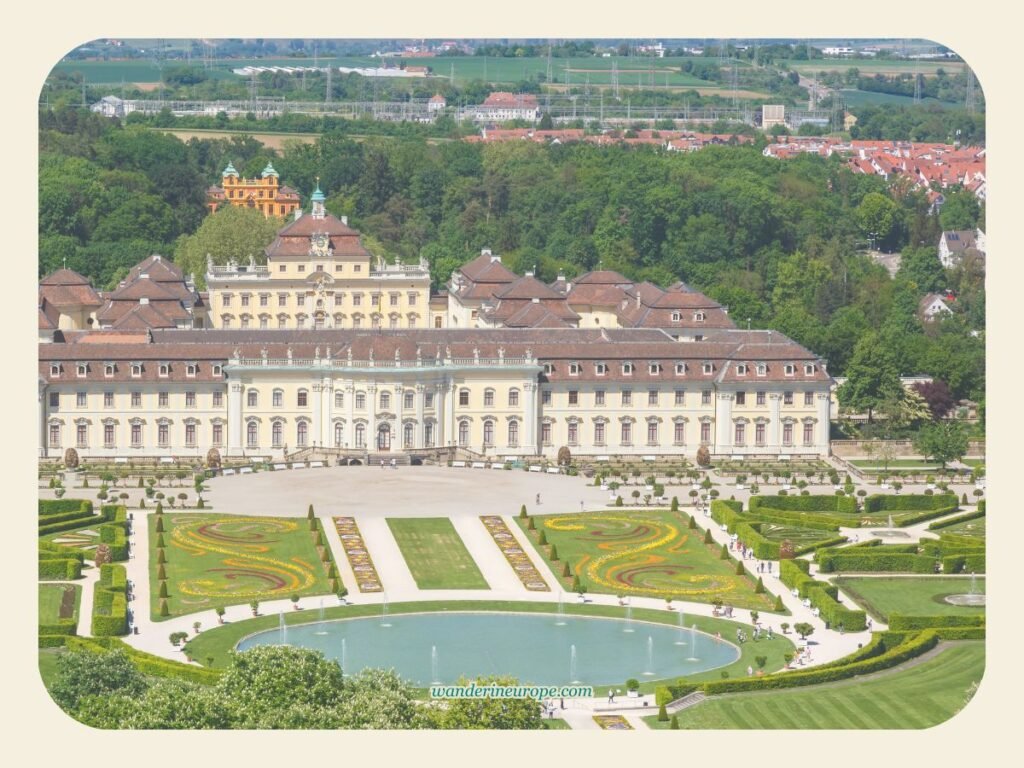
(358, 555)
(517, 558)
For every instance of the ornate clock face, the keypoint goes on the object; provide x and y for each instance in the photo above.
(320, 244)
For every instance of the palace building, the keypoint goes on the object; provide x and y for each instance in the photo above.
(318, 274)
(265, 193)
(495, 393)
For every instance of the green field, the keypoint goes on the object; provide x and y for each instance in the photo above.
(435, 554)
(51, 600)
(48, 664)
(883, 596)
(974, 528)
(648, 553)
(857, 98)
(215, 560)
(872, 66)
(918, 695)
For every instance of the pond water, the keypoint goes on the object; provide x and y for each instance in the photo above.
(534, 648)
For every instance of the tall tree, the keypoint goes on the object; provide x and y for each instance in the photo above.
(873, 377)
(945, 442)
(231, 233)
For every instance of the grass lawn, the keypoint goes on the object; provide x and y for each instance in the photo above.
(552, 724)
(922, 464)
(913, 596)
(48, 664)
(973, 528)
(649, 553)
(216, 559)
(435, 554)
(920, 696)
(54, 606)
(801, 537)
(216, 642)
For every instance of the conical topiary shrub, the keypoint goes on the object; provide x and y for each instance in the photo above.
(662, 714)
(161, 572)
(707, 536)
(542, 539)
(674, 724)
(553, 555)
(724, 553)
(530, 525)
(566, 571)
(522, 511)
(159, 508)
(160, 541)
(160, 525)
(163, 590)
(739, 569)
(779, 607)
(759, 589)
(161, 558)
(164, 610)
(692, 524)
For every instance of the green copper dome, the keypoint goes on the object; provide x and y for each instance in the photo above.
(230, 171)
(269, 171)
(318, 196)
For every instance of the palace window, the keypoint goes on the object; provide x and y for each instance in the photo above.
(741, 369)
(705, 432)
(339, 434)
(252, 435)
(245, 299)
(136, 370)
(357, 299)
(545, 397)
(545, 433)
(513, 398)
(741, 398)
(488, 398)
(574, 369)
(573, 433)
(218, 399)
(676, 317)
(108, 370)
(679, 433)
(55, 399)
(808, 370)
(360, 435)
(82, 369)
(601, 368)
(190, 435)
(252, 398)
(218, 434)
(82, 436)
(808, 433)
(217, 369)
(762, 369)
(226, 299)
(741, 433)
(463, 433)
(108, 399)
(548, 369)
(300, 300)
(278, 398)
(394, 299)
(163, 435)
(393, 322)
(162, 399)
(787, 398)
(654, 369)
(627, 433)
(428, 435)
(245, 321)
(680, 369)
(787, 434)
(282, 321)
(190, 370)
(599, 433)
(627, 369)
(339, 399)
(680, 397)
(652, 433)
(488, 432)
(652, 397)
(282, 299)
(164, 370)
(627, 397)
(708, 368)
(301, 433)
(808, 398)
(788, 369)
(264, 299)
(108, 435)
(759, 434)
(760, 398)
(302, 268)
(385, 400)
(360, 400)
(136, 432)
(513, 434)
(264, 322)
(81, 399)
(463, 397)
(599, 397)
(303, 398)
(574, 397)
(698, 317)
(55, 370)
(705, 397)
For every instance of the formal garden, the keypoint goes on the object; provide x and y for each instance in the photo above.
(435, 554)
(200, 561)
(649, 553)
(883, 598)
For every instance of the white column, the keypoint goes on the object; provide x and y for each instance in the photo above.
(234, 418)
(418, 430)
(316, 433)
(449, 412)
(399, 435)
(824, 411)
(350, 404)
(371, 428)
(530, 390)
(41, 416)
(440, 436)
(327, 412)
(723, 421)
(775, 425)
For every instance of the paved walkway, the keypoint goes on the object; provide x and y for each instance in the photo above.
(492, 564)
(391, 567)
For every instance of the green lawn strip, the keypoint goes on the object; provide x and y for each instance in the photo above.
(578, 548)
(435, 554)
(293, 547)
(911, 596)
(50, 600)
(48, 664)
(553, 724)
(896, 464)
(920, 696)
(974, 528)
(217, 642)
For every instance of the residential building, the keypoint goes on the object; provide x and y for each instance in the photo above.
(502, 105)
(955, 244)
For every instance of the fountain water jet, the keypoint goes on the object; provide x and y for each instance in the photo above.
(650, 656)
(629, 617)
(344, 657)
(561, 610)
(282, 628)
(682, 628)
(435, 678)
(321, 630)
(572, 664)
(384, 611)
(693, 644)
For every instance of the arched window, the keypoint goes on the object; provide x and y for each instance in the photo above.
(513, 433)
(513, 398)
(275, 434)
(463, 433)
(252, 398)
(360, 435)
(252, 435)
(488, 432)
(339, 399)
(278, 398)
(360, 400)
(339, 434)
(302, 432)
(303, 398)
(407, 436)
(385, 401)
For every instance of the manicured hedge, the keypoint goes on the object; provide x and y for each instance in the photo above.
(63, 517)
(115, 537)
(833, 562)
(802, 519)
(50, 551)
(57, 506)
(62, 627)
(909, 502)
(955, 520)
(750, 535)
(812, 547)
(52, 641)
(795, 574)
(726, 513)
(964, 563)
(960, 633)
(846, 505)
(110, 602)
(64, 569)
(834, 612)
(67, 525)
(146, 663)
(899, 621)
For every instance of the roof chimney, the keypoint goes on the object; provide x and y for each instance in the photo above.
(298, 214)
(144, 300)
(344, 220)
(529, 273)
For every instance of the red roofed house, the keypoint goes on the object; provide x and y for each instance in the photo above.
(502, 105)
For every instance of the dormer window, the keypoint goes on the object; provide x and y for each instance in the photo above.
(809, 369)
(548, 368)
(82, 369)
(136, 370)
(108, 370)
(190, 370)
(698, 317)
(707, 369)
(680, 369)
(601, 368)
(654, 369)
(627, 369)
(217, 369)
(676, 317)
(55, 369)
(164, 370)
(788, 369)
(741, 369)
(574, 369)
